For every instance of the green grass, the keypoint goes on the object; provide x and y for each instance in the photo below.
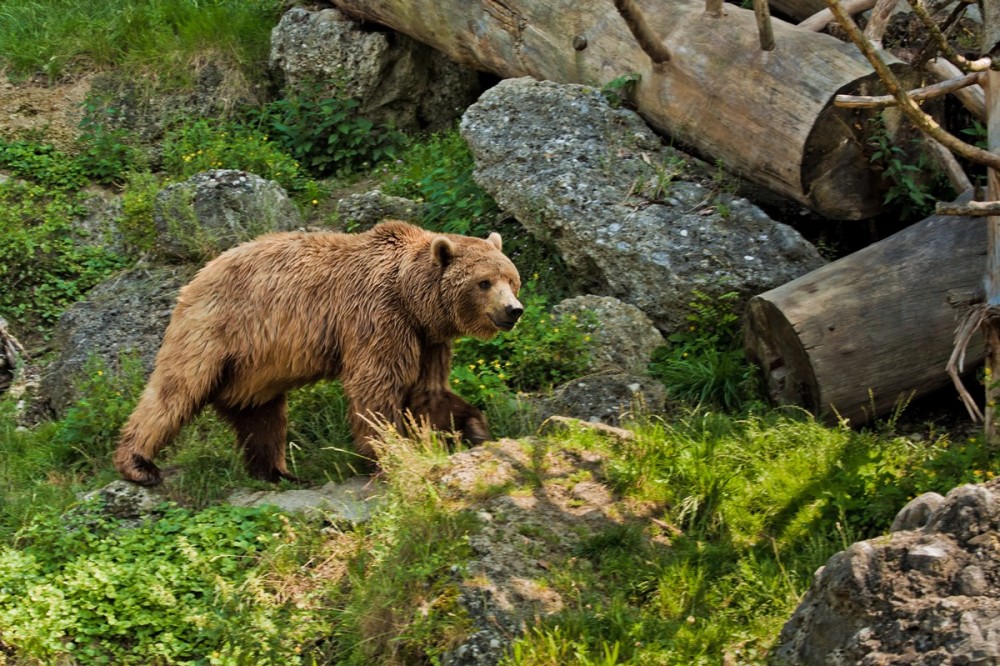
(165, 39)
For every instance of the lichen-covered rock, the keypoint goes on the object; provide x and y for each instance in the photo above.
(360, 212)
(214, 210)
(397, 80)
(605, 397)
(619, 206)
(351, 501)
(126, 314)
(927, 595)
(623, 338)
(125, 500)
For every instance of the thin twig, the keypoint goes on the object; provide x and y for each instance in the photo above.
(918, 95)
(923, 121)
(824, 17)
(969, 324)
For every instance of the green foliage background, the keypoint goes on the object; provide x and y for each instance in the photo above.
(745, 500)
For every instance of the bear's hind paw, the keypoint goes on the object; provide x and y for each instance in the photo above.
(142, 471)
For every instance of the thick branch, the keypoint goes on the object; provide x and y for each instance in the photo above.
(879, 20)
(713, 8)
(923, 121)
(970, 208)
(764, 31)
(818, 21)
(644, 35)
(953, 170)
(918, 95)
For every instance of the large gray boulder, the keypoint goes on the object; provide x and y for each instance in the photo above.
(396, 79)
(623, 338)
(621, 208)
(214, 210)
(124, 315)
(923, 595)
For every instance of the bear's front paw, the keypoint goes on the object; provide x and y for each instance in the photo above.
(142, 471)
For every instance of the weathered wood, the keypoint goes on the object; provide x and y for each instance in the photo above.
(968, 208)
(823, 17)
(991, 325)
(798, 10)
(766, 115)
(860, 333)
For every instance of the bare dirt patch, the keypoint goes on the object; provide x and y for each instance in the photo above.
(53, 110)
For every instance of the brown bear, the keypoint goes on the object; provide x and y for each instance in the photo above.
(378, 310)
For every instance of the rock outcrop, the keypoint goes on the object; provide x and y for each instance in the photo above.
(397, 80)
(928, 593)
(214, 210)
(621, 207)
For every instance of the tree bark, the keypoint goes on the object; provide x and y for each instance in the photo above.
(857, 335)
(767, 115)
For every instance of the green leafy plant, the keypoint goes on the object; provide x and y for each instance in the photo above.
(705, 364)
(325, 133)
(907, 189)
(89, 430)
(46, 262)
(43, 164)
(541, 351)
(171, 590)
(620, 91)
(204, 145)
(438, 173)
(106, 153)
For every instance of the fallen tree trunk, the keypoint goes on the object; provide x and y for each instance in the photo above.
(768, 115)
(852, 338)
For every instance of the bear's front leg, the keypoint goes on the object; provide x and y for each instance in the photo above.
(445, 411)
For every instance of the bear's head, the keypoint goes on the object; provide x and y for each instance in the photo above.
(479, 284)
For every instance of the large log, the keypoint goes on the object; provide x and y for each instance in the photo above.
(857, 335)
(767, 115)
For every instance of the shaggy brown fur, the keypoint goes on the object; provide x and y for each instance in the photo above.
(377, 310)
(444, 410)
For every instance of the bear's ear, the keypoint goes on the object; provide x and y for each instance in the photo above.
(495, 240)
(442, 250)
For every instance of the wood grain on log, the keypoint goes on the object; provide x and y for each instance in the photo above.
(858, 334)
(768, 115)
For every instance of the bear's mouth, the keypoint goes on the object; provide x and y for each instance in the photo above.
(503, 324)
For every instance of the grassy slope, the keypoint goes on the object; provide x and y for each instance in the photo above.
(738, 507)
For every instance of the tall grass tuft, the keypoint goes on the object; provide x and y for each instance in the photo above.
(165, 39)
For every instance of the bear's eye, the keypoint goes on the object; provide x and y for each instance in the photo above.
(485, 284)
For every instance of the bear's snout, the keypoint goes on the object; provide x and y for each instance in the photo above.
(506, 319)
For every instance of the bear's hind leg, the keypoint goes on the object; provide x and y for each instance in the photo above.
(165, 407)
(260, 434)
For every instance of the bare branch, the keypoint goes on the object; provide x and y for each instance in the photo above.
(879, 20)
(969, 208)
(944, 47)
(956, 175)
(967, 327)
(923, 121)
(972, 97)
(818, 21)
(763, 14)
(918, 95)
(644, 35)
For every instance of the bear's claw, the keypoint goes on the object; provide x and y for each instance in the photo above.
(142, 471)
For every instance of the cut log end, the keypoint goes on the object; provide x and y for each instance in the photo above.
(773, 346)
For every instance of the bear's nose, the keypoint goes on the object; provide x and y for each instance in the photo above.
(514, 312)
